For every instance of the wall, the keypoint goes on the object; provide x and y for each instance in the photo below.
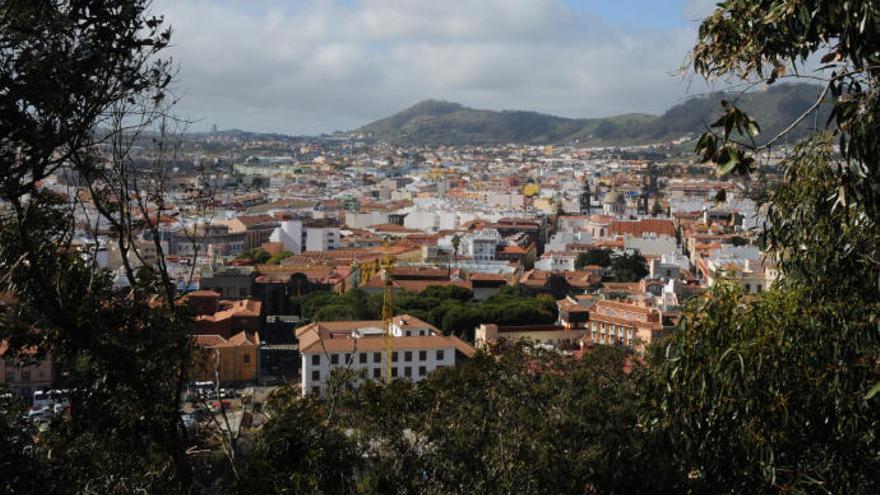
(430, 364)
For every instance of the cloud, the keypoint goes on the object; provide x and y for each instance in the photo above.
(321, 65)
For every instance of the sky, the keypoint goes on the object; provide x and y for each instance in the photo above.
(315, 66)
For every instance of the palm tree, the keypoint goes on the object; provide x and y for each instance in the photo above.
(456, 242)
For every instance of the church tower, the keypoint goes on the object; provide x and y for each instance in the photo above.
(585, 197)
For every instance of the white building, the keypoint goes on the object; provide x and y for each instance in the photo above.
(651, 244)
(560, 240)
(481, 245)
(297, 237)
(322, 238)
(289, 233)
(418, 348)
(362, 220)
(557, 262)
(669, 266)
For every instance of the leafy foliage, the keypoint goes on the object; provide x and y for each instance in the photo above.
(256, 256)
(527, 421)
(276, 259)
(593, 256)
(303, 449)
(773, 393)
(449, 308)
(628, 267)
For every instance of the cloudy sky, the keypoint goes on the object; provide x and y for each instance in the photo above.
(312, 66)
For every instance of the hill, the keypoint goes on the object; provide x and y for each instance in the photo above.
(435, 122)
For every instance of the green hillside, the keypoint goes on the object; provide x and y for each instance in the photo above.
(436, 122)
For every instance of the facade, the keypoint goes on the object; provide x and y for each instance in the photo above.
(557, 261)
(650, 244)
(614, 204)
(228, 283)
(25, 375)
(751, 275)
(223, 317)
(418, 348)
(257, 229)
(214, 238)
(573, 314)
(585, 203)
(297, 236)
(233, 360)
(321, 238)
(558, 337)
(289, 234)
(625, 324)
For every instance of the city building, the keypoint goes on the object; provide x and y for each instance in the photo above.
(418, 348)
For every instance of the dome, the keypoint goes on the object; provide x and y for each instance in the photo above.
(613, 197)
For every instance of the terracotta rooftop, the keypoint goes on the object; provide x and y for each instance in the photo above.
(259, 219)
(240, 339)
(644, 226)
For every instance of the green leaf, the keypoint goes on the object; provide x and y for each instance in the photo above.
(873, 391)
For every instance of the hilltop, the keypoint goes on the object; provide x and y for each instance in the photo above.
(436, 122)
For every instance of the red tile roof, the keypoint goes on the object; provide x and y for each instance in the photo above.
(640, 227)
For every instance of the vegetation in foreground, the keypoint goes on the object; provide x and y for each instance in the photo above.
(775, 393)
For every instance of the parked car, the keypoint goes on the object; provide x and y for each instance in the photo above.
(200, 414)
(40, 413)
(189, 421)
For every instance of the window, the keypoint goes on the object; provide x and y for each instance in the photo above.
(407, 356)
(316, 375)
(377, 373)
(394, 357)
(25, 375)
(440, 355)
(362, 357)
(759, 288)
(394, 372)
(316, 390)
(347, 358)
(10, 375)
(407, 371)
(316, 360)
(377, 357)
(423, 371)
(408, 333)
(423, 355)
(748, 287)
(246, 359)
(334, 358)
(242, 292)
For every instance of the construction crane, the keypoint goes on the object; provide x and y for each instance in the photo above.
(388, 308)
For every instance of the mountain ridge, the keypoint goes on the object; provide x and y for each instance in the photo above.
(441, 122)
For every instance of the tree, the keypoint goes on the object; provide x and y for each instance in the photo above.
(81, 80)
(593, 256)
(628, 268)
(256, 256)
(276, 259)
(456, 243)
(523, 421)
(302, 449)
(727, 381)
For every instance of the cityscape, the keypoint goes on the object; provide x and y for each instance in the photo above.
(446, 298)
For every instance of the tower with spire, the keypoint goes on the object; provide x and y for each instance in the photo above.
(585, 197)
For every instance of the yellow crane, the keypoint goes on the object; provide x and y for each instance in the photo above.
(388, 308)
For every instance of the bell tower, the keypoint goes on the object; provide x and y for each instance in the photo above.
(585, 197)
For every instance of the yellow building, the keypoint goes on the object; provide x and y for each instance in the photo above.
(238, 358)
